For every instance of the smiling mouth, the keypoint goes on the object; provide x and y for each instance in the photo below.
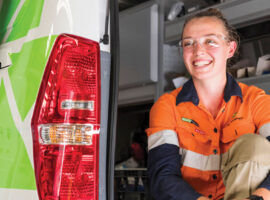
(201, 63)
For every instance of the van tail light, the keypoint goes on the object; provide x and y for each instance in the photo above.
(66, 122)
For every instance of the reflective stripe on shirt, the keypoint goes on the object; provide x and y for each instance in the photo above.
(265, 130)
(162, 137)
(200, 161)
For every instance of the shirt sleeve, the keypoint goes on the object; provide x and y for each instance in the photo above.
(164, 159)
(261, 113)
(261, 117)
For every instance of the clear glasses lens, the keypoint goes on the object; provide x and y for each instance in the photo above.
(208, 42)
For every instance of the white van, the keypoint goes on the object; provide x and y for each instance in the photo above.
(58, 86)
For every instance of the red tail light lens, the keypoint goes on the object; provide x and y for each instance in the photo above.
(66, 122)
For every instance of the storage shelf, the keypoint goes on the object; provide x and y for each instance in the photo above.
(237, 12)
(262, 81)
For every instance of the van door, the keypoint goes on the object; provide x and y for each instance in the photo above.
(34, 37)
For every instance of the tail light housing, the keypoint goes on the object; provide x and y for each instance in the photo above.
(66, 122)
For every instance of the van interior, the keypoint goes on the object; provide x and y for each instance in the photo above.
(151, 64)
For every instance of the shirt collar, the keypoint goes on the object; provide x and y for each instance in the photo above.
(189, 93)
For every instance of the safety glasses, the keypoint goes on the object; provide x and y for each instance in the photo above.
(208, 42)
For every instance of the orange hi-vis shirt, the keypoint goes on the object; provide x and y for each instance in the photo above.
(179, 119)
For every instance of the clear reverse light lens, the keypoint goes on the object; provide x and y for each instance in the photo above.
(69, 134)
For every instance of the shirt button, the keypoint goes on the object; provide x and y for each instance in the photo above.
(215, 130)
(210, 196)
(214, 176)
(215, 151)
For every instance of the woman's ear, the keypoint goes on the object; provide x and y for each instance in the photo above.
(232, 48)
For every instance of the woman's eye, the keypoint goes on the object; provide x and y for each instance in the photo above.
(187, 43)
(211, 42)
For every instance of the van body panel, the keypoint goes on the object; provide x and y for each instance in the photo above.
(28, 30)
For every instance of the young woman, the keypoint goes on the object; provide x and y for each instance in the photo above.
(208, 139)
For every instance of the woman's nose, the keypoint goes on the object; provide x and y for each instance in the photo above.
(198, 48)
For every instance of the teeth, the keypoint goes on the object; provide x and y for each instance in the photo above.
(201, 63)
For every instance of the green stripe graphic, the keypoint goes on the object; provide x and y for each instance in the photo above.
(27, 70)
(16, 170)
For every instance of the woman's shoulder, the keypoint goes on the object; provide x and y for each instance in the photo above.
(249, 91)
(170, 95)
(249, 88)
(167, 99)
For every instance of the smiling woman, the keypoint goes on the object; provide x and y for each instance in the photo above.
(207, 66)
(205, 60)
(214, 158)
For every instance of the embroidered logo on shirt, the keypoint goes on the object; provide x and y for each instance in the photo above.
(235, 118)
(199, 131)
(234, 114)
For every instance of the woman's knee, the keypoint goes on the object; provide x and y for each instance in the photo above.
(251, 147)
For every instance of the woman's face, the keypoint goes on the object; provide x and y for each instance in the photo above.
(206, 48)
